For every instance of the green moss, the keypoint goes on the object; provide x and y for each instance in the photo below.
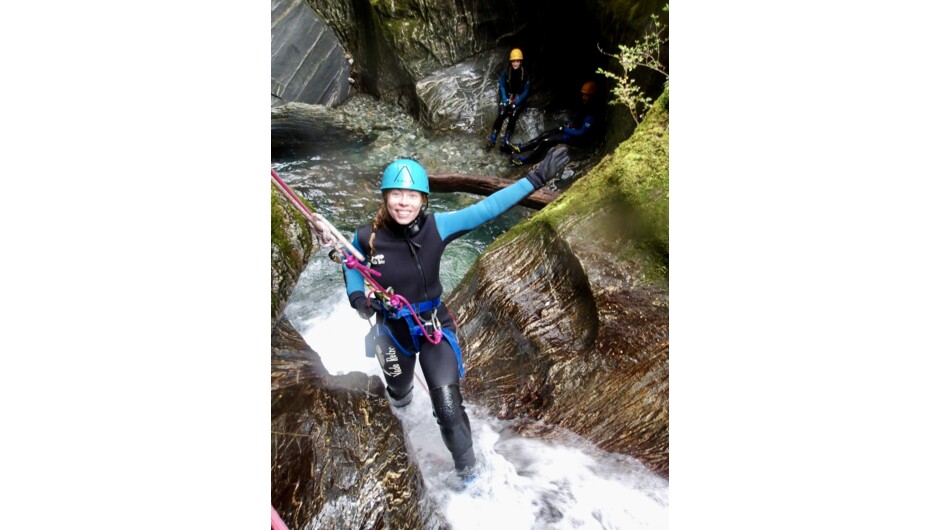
(283, 215)
(279, 238)
(278, 222)
(632, 182)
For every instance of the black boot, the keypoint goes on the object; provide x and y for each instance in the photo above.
(395, 400)
(492, 140)
(454, 425)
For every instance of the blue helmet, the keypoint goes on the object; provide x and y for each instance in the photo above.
(405, 174)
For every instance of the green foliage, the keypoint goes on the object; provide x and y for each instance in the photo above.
(645, 53)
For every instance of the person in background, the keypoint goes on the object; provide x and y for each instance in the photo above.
(403, 244)
(512, 99)
(579, 130)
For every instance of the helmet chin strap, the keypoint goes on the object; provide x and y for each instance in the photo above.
(412, 230)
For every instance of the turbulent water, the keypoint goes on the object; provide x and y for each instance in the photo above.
(564, 482)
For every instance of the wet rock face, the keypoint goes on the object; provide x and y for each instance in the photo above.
(338, 454)
(299, 128)
(292, 246)
(558, 328)
(420, 36)
(450, 98)
(378, 69)
(308, 64)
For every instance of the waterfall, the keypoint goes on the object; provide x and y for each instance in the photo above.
(564, 482)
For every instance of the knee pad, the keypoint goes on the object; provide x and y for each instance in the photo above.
(453, 422)
(448, 405)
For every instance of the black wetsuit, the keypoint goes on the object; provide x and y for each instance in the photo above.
(512, 99)
(409, 260)
(580, 130)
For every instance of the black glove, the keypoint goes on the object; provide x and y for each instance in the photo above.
(554, 161)
(362, 305)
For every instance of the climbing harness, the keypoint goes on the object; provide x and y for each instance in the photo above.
(396, 306)
(397, 302)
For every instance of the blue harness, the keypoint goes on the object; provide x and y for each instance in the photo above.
(416, 329)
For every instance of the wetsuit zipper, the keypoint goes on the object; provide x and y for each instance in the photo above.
(414, 254)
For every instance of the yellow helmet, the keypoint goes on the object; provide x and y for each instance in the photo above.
(589, 88)
(515, 54)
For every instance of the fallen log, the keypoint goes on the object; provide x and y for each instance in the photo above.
(487, 185)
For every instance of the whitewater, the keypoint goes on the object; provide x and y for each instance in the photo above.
(524, 482)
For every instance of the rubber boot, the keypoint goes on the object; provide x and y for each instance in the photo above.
(509, 146)
(395, 400)
(455, 427)
(492, 140)
(505, 146)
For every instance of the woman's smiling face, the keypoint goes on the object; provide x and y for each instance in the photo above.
(403, 205)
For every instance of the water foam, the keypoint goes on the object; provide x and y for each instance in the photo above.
(524, 482)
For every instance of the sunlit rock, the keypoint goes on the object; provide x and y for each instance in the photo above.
(338, 455)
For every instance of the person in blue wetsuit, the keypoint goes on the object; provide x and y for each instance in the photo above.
(580, 130)
(512, 99)
(404, 244)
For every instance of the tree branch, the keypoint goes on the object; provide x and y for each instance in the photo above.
(487, 185)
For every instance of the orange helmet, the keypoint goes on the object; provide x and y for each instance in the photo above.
(589, 88)
(515, 54)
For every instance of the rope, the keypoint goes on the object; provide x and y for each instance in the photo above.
(276, 522)
(326, 233)
(396, 301)
(329, 236)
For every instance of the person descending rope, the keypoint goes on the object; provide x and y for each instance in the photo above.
(512, 99)
(403, 247)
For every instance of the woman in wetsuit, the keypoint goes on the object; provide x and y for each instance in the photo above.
(404, 244)
(512, 99)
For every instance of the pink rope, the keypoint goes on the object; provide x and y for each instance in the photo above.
(281, 185)
(326, 233)
(397, 301)
(276, 522)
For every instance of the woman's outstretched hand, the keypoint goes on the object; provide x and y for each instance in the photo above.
(554, 161)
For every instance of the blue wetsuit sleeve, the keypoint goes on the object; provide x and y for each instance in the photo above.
(354, 280)
(502, 87)
(452, 225)
(585, 127)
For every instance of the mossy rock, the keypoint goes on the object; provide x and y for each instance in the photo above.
(292, 246)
